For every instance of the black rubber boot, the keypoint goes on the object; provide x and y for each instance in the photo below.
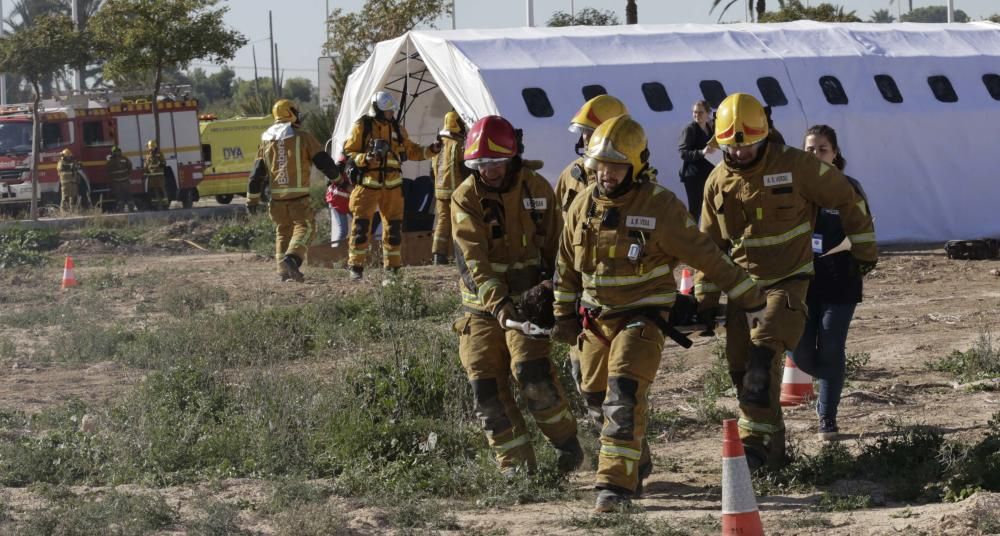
(611, 500)
(438, 259)
(357, 272)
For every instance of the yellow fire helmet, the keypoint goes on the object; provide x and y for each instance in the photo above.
(740, 120)
(284, 111)
(453, 123)
(151, 144)
(619, 140)
(596, 111)
(67, 152)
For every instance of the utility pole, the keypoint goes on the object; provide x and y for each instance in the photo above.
(453, 26)
(631, 12)
(270, 36)
(951, 10)
(78, 72)
(530, 6)
(572, 11)
(3, 76)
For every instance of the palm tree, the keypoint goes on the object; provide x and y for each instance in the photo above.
(881, 16)
(760, 7)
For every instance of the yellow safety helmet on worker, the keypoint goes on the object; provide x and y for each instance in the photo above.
(740, 121)
(151, 144)
(590, 116)
(285, 111)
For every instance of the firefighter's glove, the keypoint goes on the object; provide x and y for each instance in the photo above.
(567, 330)
(755, 316)
(507, 311)
(863, 267)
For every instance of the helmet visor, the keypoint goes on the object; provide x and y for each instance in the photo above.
(479, 164)
(605, 151)
(580, 130)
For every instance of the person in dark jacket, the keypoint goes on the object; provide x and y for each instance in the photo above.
(694, 146)
(833, 294)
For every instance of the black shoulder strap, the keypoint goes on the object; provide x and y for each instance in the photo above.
(366, 131)
(399, 133)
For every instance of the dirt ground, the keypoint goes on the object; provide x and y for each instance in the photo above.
(918, 306)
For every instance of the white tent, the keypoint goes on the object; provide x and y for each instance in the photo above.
(916, 106)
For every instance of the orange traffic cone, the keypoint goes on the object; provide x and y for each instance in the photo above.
(69, 279)
(796, 386)
(739, 505)
(687, 283)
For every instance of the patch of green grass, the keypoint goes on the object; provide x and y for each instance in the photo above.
(856, 362)
(115, 513)
(250, 234)
(289, 493)
(312, 519)
(832, 502)
(630, 521)
(982, 361)
(188, 297)
(808, 521)
(971, 468)
(113, 236)
(716, 382)
(422, 515)
(216, 518)
(25, 247)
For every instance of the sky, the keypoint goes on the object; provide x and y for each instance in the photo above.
(300, 32)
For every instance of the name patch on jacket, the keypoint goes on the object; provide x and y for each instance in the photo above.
(777, 179)
(535, 203)
(640, 222)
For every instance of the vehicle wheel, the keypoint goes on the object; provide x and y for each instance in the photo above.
(224, 199)
(187, 198)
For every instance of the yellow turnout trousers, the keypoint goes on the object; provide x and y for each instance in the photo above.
(442, 227)
(491, 356)
(763, 429)
(389, 203)
(294, 224)
(617, 369)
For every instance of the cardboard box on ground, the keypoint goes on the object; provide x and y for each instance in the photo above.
(418, 231)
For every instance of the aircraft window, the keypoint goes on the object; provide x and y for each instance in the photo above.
(887, 86)
(992, 82)
(771, 90)
(593, 90)
(713, 92)
(832, 90)
(537, 102)
(656, 97)
(942, 88)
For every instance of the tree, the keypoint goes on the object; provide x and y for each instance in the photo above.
(760, 8)
(631, 12)
(353, 35)
(933, 14)
(881, 16)
(994, 18)
(211, 88)
(37, 52)
(587, 16)
(152, 35)
(299, 90)
(794, 10)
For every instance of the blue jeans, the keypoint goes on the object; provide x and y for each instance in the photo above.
(821, 353)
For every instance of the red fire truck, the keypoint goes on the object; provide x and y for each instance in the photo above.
(90, 129)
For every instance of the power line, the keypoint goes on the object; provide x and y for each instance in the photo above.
(250, 67)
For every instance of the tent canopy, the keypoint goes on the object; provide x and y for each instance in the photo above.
(914, 105)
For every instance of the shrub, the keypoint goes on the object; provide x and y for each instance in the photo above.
(982, 361)
(23, 247)
(112, 236)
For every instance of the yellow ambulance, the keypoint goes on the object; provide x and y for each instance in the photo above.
(229, 148)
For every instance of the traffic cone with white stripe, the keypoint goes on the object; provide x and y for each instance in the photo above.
(69, 278)
(796, 386)
(739, 505)
(687, 282)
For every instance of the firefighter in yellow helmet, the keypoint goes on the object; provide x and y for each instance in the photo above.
(284, 158)
(506, 224)
(448, 171)
(119, 171)
(614, 291)
(153, 167)
(68, 169)
(574, 178)
(760, 205)
(377, 147)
